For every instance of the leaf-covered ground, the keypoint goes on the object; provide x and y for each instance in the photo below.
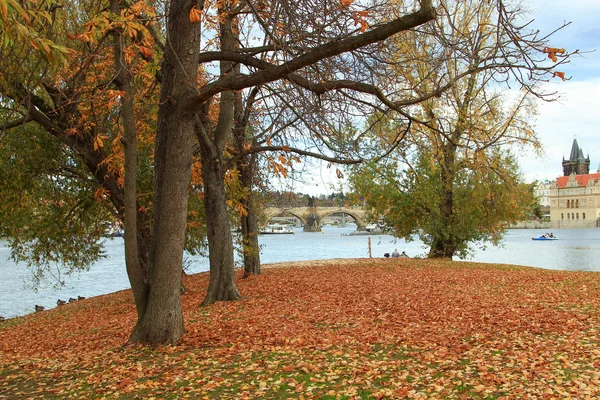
(358, 329)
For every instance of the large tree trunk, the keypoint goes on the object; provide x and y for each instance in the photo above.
(163, 319)
(221, 286)
(441, 249)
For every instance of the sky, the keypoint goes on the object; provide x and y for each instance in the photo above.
(575, 115)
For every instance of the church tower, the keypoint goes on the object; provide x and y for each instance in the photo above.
(576, 164)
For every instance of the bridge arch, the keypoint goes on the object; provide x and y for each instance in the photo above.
(274, 212)
(360, 223)
(311, 216)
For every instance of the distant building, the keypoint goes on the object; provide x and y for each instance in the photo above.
(542, 193)
(575, 197)
(576, 164)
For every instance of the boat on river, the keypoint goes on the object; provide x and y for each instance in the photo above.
(544, 237)
(277, 229)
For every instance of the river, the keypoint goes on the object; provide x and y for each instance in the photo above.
(577, 249)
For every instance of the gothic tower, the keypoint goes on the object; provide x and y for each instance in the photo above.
(576, 164)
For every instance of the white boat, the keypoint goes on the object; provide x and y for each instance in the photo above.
(275, 229)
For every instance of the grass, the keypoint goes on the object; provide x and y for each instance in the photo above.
(361, 329)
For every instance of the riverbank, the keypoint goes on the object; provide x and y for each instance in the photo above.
(577, 249)
(379, 328)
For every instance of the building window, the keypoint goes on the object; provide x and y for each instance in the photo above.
(577, 204)
(568, 216)
(562, 216)
(577, 215)
(583, 216)
(572, 215)
(568, 203)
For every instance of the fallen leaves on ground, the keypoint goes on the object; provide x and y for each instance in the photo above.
(356, 329)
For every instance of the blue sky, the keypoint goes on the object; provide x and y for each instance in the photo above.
(577, 113)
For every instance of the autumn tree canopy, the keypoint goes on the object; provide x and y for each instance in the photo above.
(454, 180)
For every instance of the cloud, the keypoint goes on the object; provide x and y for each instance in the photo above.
(574, 116)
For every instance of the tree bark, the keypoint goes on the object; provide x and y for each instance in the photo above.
(247, 169)
(221, 286)
(249, 222)
(163, 320)
(137, 276)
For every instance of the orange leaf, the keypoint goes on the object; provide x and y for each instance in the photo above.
(561, 75)
(363, 25)
(145, 51)
(100, 194)
(552, 52)
(195, 15)
(125, 382)
(346, 3)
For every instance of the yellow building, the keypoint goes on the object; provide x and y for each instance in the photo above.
(575, 197)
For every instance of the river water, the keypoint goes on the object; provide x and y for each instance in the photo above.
(577, 249)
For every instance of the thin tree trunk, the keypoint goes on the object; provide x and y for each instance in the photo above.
(136, 271)
(221, 286)
(247, 168)
(249, 223)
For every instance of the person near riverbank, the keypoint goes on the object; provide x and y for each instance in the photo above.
(403, 255)
(395, 254)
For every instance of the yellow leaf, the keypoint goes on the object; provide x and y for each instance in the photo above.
(98, 143)
(3, 9)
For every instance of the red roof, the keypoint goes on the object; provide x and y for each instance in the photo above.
(581, 179)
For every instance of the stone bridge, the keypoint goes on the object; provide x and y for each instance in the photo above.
(311, 217)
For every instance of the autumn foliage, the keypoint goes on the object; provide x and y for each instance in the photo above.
(356, 329)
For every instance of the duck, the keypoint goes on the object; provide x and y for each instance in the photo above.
(61, 302)
(72, 299)
(39, 308)
(2, 319)
(80, 297)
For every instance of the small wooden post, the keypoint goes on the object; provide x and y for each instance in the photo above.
(370, 254)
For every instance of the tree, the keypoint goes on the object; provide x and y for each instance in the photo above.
(47, 209)
(414, 200)
(454, 181)
(184, 111)
(77, 101)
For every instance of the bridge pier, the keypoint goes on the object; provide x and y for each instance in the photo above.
(312, 223)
